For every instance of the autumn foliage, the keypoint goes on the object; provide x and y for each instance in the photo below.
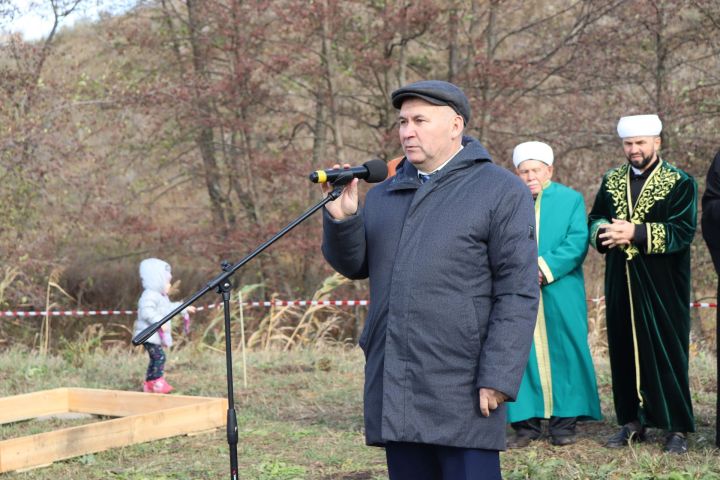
(184, 129)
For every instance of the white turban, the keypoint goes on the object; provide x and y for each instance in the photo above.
(639, 126)
(533, 151)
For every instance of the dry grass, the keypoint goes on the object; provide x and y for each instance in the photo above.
(286, 327)
(302, 419)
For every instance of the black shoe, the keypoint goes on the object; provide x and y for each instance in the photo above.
(627, 434)
(520, 441)
(562, 440)
(676, 442)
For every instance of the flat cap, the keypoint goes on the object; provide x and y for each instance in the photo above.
(436, 92)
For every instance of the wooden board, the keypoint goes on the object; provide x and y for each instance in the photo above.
(31, 405)
(144, 417)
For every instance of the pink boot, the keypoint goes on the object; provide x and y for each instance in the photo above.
(159, 385)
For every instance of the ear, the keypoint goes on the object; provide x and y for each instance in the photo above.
(458, 126)
(658, 142)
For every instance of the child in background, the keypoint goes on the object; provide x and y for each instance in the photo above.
(153, 305)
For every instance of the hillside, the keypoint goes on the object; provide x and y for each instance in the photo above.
(187, 134)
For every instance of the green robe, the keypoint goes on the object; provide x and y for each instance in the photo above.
(559, 380)
(647, 296)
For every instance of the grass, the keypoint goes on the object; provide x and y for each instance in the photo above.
(301, 418)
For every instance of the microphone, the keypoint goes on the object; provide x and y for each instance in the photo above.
(372, 171)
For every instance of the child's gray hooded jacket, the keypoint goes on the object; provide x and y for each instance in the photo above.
(154, 303)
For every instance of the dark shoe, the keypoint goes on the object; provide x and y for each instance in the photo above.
(627, 434)
(562, 440)
(520, 441)
(562, 430)
(676, 442)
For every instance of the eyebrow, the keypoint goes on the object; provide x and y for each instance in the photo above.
(417, 115)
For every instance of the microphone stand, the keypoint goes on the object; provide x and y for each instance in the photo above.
(222, 285)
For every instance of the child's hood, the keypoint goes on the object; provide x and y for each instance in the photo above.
(155, 274)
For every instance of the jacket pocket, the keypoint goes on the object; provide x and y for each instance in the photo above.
(367, 331)
(482, 305)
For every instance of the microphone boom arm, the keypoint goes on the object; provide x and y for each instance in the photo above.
(222, 284)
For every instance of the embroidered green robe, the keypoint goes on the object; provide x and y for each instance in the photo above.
(559, 380)
(647, 296)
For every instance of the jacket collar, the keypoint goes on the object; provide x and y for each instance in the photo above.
(473, 152)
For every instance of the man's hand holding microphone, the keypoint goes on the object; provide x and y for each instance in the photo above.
(346, 205)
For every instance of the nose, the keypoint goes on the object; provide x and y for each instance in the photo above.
(406, 131)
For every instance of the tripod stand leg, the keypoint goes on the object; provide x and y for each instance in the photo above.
(232, 427)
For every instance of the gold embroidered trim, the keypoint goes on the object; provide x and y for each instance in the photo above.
(616, 185)
(636, 350)
(660, 182)
(656, 188)
(540, 338)
(657, 236)
(538, 202)
(631, 251)
(545, 269)
(542, 355)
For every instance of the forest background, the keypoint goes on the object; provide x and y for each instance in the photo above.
(185, 130)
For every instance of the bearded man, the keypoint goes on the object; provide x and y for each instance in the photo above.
(644, 220)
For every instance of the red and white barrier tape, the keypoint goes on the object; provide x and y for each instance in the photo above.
(66, 313)
(692, 304)
(277, 303)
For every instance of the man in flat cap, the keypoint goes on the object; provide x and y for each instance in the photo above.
(559, 381)
(449, 247)
(643, 220)
(711, 234)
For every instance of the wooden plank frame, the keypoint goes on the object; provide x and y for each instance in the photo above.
(143, 417)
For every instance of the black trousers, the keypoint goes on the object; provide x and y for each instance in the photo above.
(557, 427)
(419, 461)
(717, 349)
(715, 254)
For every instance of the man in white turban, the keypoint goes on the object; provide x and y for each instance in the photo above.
(643, 220)
(559, 381)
